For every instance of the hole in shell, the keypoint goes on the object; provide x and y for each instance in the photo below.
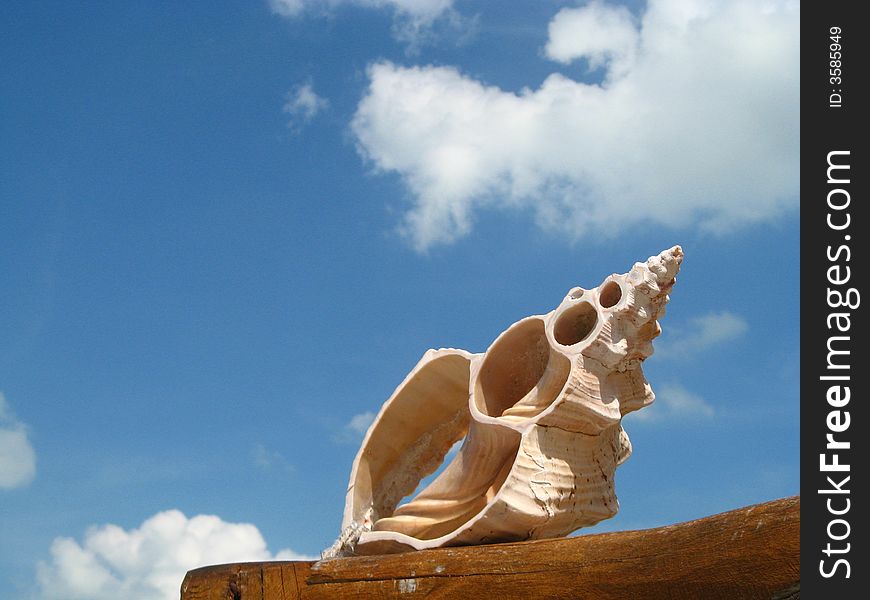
(610, 294)
(424, 483)
(439, 390)
(576, 293)
(469, 482)
(521, 374)
(575, 324)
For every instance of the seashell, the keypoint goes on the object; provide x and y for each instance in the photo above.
(540, 413)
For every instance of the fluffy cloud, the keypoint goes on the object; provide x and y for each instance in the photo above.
(149, 562)
(702, 333)
(597, 32)
(413, 19)
(695, 123)
(17, 457)
(674, 402)
(303, 104)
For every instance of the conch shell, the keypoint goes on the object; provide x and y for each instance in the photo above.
(540, 413)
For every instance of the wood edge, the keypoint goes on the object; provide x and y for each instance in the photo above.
(231, 577)
(777, 505)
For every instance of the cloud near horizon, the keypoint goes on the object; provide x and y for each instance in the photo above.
(701, 333)
(695, 123)
(17, 456)
(148, 562)
(675, 403)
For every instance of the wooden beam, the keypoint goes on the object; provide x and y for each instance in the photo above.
(752, 552)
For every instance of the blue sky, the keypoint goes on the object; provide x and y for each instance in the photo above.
(230, 229)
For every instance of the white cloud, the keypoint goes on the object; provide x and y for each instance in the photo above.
(287, 8)
(597, 32)
(674, 402)
(355, 428)
(413, 20)
(695, 124)
(702, 333)
(427, 10)
(271, 459)
(360, 423)
(149, 562)
(17, 457)
(303, 104)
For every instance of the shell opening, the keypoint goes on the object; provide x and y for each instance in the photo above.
(402, 449)
(610, 294)
(575, 324)
(466, 486)
(521, 374)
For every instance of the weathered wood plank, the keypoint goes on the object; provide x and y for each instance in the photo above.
(272, 580)
(752, 552)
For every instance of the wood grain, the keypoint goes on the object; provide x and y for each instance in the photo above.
(752, 552)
